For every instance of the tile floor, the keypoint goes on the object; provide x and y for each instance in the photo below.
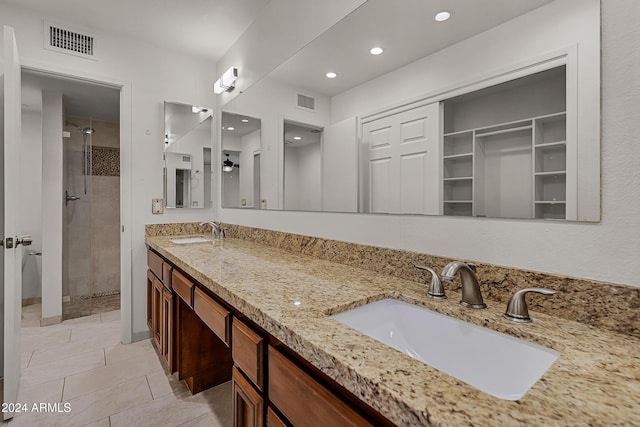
(81, 362)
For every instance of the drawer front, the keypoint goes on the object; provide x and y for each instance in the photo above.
(183, 287)
(303, 400)
(215, 316)
(154, 262)
(248, 352)
(166, 275)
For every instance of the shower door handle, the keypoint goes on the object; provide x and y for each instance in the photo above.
(68, 198)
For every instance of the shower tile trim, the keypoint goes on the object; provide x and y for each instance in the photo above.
(603, 305)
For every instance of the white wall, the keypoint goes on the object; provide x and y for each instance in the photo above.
(250, 144)
(282, 28)
(52, 206)
(30, 201)
(272, 102)
(574, 249)
(302, 177)
(149, 75)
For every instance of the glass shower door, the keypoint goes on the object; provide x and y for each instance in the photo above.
(76, 232)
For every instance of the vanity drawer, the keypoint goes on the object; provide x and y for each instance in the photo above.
(247, 349)
(303, 400)
(154, 262)
(166, 275)
(183, 287)
(216, 317)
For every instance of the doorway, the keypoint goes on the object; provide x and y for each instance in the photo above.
(89, 178)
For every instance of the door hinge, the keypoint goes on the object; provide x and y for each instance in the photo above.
(7, 243)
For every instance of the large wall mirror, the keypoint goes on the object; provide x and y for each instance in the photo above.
(187, 156)
(493, 112)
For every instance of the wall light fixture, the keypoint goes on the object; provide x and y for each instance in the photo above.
(226, 81)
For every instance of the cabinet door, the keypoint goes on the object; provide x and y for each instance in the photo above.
(248, 405)
(167, 328)
(157, 312)
(150, 300)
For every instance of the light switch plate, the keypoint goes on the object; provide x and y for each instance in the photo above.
(157, 206)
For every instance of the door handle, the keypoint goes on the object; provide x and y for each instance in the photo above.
(24, 241)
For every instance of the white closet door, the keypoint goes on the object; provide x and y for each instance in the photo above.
(402, 164)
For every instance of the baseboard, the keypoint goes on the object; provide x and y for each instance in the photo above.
(139, 336)
(53, 320)
(31, 301)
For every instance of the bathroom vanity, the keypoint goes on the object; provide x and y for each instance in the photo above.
(261, 317)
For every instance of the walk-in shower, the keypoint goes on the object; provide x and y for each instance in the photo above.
(91, 268)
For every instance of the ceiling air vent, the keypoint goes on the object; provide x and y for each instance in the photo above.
(306, 102)
(65, 40)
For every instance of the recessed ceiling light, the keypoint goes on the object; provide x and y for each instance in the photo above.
(297, 138)
(245, 120)
(230, 128)
(376, 50)
(331, 75)
(442, 16)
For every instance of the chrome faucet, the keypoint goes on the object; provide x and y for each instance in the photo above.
(517, 309)
(216, 230)
(471, 295)
(436, 290)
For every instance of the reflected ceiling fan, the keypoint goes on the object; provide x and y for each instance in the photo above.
(228, 165)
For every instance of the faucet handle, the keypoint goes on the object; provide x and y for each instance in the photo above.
(436, 290)
(517, 309)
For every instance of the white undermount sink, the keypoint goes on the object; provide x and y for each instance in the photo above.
(185, 240)
(496, 363)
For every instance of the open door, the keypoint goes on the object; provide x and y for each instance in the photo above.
(11, 235)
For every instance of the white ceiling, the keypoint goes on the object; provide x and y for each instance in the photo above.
(207, 28)
(405, 29)
(308, 134)
(204, 28)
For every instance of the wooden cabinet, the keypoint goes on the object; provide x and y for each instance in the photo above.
(216, 317)
(274, 420)
(183, 287)
(203, 356)
(157, 313)
(150, 290)
(248, 404)
(204, 340)
(160, 308)
(248, 352)
(167, 328)
(303, 400)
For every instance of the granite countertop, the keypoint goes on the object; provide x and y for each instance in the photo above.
(595, 381)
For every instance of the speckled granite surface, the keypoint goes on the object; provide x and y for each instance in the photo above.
(596, 380)
(604, 305)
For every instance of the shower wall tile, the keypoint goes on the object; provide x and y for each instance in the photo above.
(105, 234)
(105, 161)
